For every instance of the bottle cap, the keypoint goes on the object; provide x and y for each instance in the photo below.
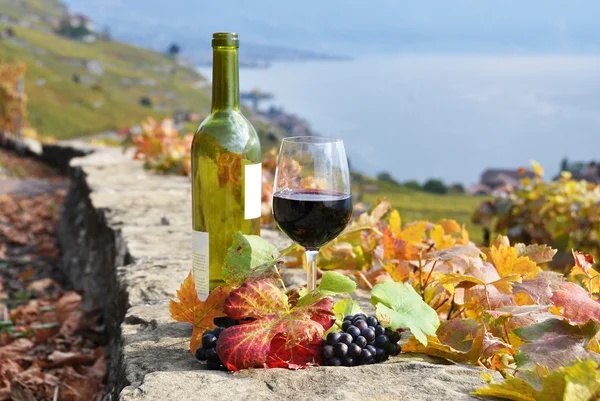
(225, 39)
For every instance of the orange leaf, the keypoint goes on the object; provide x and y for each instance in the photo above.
(583, 263)
(450, 226)
(389, 251)
(189, 309)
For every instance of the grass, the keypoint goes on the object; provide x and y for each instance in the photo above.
(418, 205)
(60, 107)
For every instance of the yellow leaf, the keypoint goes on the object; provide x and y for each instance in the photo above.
(450, 226)
(522, 299)
(506, 261)
(395, 223)
(504, 285)
(414, 233)
(441, 241)
(537, 169)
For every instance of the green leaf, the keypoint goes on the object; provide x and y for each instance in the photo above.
(249, 258)
(578, 382)
(406, 309)
(332, 283)
(346, 307)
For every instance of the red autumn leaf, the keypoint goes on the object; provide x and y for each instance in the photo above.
(251, 344)
(189, 309)
(578, 307)
(584, 262)
(296, 357)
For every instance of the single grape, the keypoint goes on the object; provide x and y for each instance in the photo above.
(349, 317)
(360, 341)
(348, 361)
(340, 350)
(365, 355)
(380, 354)
(372, 321)
(353, 331)
(393, 349)
(217, 331)
(213, 365)
(211, 355)
(335, 362)
(393, 335)
(209, 341)
(333, 337)
(371, 349)
(201, 354)
(369, 334)
(361, 315)
(328, 351)
(379, 330)
(346, 338)
(354, 350)
(346, 324)
(381, 341)
(361, 325)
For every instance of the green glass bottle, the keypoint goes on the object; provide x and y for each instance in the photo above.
(226, 171)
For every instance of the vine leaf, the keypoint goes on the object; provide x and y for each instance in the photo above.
(189, 309)
(250, 344)
(577, 306)
(331, 284)
(577, 382)
(507, 261)
(249, 258)
(400, 304)
(553, 343)
(583, 264)
(536, 253)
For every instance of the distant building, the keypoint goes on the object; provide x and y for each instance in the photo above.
(497, 178)
(82, 21)
(591, 172)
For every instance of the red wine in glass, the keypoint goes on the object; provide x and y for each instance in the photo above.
(312, 201)
(312, 217)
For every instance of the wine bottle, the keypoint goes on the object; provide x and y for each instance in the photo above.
(226, 171)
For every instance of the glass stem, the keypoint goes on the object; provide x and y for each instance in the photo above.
(311, 272)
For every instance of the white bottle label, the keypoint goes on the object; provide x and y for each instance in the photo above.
(200, 269)
(252, 190)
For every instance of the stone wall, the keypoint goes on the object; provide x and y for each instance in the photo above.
(125, 237)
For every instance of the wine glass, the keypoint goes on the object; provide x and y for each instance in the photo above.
(312, 199)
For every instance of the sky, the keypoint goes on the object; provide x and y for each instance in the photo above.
(359, 27)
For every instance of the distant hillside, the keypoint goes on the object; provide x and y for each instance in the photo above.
(77, 88)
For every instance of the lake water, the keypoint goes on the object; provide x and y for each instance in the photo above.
(449, 117)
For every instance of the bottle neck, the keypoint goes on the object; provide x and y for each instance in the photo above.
(225, 84)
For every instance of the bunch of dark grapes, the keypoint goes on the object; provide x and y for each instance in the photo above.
(208, 351)
(362, 342)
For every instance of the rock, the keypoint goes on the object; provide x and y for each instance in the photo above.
(398, 381)
(125, 235)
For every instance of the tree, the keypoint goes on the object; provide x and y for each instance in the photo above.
(456, 188)
(386, 177)
(413, 184)
(174, 50)
(435, 186)
(564, 164)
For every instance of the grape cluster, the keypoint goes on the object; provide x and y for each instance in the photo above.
(208, 351)
(362, 342)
